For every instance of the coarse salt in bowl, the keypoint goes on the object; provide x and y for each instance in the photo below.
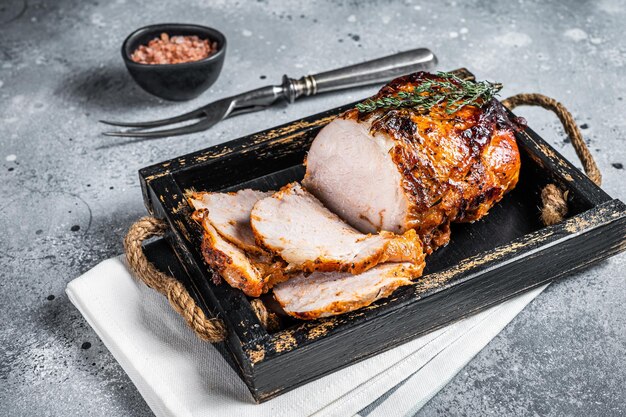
(157, 62)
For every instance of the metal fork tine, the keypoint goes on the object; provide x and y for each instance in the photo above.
(210, 114)
(194, 114)
(183, 130)
(243, 110)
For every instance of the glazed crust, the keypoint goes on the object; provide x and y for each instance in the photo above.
(454, 167)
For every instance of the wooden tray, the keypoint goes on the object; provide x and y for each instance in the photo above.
(487, 262)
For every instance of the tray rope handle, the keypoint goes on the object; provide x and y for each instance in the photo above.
(210, 329)
(553, 198)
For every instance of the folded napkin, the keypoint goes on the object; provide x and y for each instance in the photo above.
(180, 375)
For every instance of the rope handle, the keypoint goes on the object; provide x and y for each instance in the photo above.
(553, 199)
(209, 329)
(213, 330)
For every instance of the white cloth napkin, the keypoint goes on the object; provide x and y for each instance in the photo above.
(179, 375)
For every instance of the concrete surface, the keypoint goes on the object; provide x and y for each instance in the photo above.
(69, 193)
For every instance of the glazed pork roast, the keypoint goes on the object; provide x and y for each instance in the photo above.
(383, 183)
(398, 169)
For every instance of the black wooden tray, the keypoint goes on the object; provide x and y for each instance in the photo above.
(487, 262)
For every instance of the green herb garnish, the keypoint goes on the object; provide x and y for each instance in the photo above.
(452, 92)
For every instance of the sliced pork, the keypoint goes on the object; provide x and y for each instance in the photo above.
(323, 294)
(229, 213)
(296, 226)
(397, 169)
(228, 243)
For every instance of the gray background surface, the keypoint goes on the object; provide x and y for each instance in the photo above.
(69, 194)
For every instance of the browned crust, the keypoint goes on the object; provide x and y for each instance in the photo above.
(250, 282)
(275, 272)
(217, 260)
(455, 167)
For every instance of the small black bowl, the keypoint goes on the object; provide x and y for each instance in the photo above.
(175, 81)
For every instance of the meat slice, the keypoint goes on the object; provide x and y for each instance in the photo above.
(229, 213)
(229, 261)
(397, 169)
(295, 225)
(350, 171)
(228, 243)
(323, 294)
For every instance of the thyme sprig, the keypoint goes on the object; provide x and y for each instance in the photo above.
(452, 92)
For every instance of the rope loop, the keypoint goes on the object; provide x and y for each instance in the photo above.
(554, 200)
(209, 329)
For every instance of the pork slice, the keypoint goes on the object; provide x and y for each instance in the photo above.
(351, 172)
(295, 225)
(229, 213)
(228, 245)
(323, 294)
(232, 264)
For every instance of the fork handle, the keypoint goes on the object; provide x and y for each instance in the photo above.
(376, 71)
